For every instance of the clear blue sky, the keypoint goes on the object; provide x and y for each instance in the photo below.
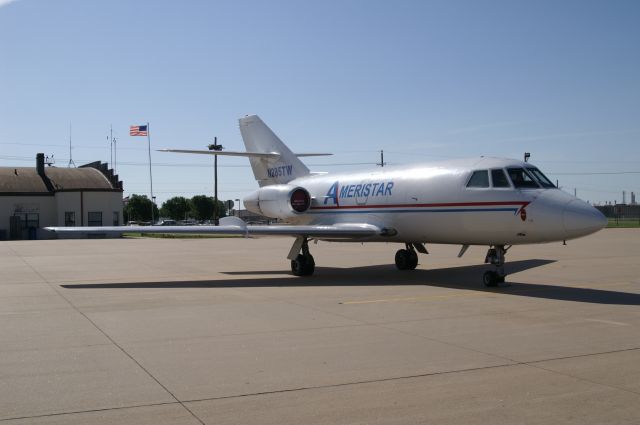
(423, 80)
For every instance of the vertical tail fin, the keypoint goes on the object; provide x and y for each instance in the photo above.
(258, 137)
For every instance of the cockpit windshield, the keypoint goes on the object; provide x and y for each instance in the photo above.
(521, 179)
(542, 179)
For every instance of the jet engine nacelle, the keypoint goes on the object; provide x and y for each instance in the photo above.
(278, 201)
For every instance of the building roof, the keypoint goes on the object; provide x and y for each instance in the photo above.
(27, 181)
(21, 180)
(77, 179)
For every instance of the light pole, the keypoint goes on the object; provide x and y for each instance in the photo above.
(215, 147)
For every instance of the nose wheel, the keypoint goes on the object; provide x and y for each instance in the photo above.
(407, 259)
(495, 256)
(491, 278)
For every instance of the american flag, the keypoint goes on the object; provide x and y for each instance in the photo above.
(138, 130)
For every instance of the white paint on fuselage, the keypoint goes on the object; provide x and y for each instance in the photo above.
(431, 203)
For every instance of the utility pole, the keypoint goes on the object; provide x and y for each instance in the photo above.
(381, 163)
(215, 147)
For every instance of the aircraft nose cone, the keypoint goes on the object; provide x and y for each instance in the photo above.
(580, 219)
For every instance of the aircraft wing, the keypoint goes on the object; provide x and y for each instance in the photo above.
(334, 231)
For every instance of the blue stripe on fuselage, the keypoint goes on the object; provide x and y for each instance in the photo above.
(346, 210)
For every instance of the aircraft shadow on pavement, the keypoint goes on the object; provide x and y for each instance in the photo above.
(465, 277)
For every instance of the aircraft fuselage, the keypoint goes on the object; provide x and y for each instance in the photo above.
(433, 203)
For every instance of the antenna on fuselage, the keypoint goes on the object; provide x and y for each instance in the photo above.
(527, 155)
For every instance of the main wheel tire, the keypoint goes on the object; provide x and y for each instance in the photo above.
(303, 265)
(413, 259)
(403, 260)
(297, 266)
(310, 265)
(490, 278)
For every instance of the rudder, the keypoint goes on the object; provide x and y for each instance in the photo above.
(258, 137)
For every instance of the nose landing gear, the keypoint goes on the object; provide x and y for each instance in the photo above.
(495, 256)
(407, 259)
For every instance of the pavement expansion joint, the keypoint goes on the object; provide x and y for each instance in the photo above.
(536, 365)
(75, 412)
(425, 375)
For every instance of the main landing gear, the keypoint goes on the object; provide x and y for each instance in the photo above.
(302, 264)
(407, 259)
(495, 256)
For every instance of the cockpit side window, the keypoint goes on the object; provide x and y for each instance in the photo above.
(542, 179)
(499, 179)
(521, 179)
(479, 179)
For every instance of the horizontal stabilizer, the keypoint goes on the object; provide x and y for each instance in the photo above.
(245, 154)
(226, 153)
(300, 155)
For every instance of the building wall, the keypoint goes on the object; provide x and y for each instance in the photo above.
(107, 203)
(67, 201)
(51, 209)
(82, 203)
(44, 206)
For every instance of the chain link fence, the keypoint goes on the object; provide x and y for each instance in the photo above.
(621, 215)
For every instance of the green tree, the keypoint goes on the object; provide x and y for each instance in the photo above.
(202, 207)
(139, 208)
(175, 208)
(222, 209)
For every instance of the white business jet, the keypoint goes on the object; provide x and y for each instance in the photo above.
(478, 201)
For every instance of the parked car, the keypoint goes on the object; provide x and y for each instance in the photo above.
(166, 223)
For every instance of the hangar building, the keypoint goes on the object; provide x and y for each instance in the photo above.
(33, 198)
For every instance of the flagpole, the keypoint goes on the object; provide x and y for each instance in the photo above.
(150, 174)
